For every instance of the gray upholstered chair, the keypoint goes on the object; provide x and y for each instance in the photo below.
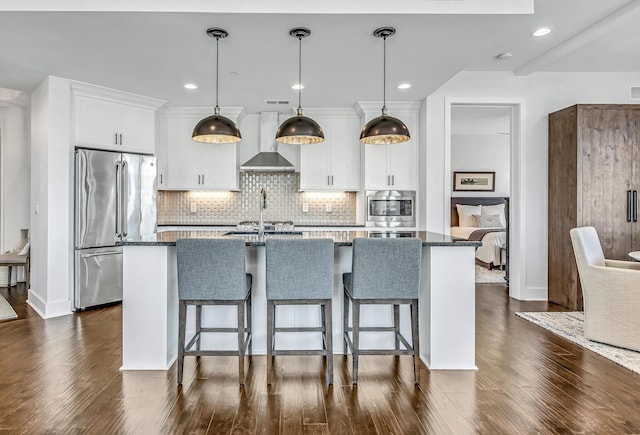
(611, 292)
(300, 271)
(384, 271)
(212, 272)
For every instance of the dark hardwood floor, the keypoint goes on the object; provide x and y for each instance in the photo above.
(61, 376)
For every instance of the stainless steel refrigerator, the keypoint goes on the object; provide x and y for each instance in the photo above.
(115, 198)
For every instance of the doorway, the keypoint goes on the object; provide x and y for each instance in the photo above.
(504, 120)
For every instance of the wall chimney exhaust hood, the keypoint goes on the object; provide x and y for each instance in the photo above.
(268, 159)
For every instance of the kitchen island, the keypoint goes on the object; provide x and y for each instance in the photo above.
(150, 300)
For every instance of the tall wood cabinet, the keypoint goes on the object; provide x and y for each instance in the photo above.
(594, 179)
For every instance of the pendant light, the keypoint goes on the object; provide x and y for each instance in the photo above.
(384, 129)
(299, 129)
(216, 128)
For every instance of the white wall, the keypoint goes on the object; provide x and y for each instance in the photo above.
(484, 153)
(51, 187)
(542, 93)
(15, 170)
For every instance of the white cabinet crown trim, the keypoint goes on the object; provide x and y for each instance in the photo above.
(368, 107)
(114, 95)
(329, 112)
(236, 114)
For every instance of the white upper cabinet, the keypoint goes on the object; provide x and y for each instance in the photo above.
(394, 166)
(333, 164)
(196, 165)
(113, 120)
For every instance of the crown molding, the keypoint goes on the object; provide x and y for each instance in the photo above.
(114, 95)
(363, 108)
(329, 112)
(236, 114)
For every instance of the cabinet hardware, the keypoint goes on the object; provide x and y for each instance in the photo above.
(629, 207)
(99, 254)
(199, 178)
(120, 138)
(635, 206)
(388, 180)
(332, 180)
(393, 180)
(115, 138)
(202, 178)
(160, 178)
(328, 180)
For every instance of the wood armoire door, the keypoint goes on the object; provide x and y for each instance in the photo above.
(608, 146)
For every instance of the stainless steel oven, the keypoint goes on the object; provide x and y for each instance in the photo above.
(391, 208)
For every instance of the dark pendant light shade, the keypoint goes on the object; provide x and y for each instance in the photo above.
(299, 129)
(384, 129)
(216, 128)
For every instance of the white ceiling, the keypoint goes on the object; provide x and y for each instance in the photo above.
(155, 53)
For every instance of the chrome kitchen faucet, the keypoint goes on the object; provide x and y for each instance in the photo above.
(263, 205)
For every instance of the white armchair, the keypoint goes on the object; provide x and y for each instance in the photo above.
(611, 292)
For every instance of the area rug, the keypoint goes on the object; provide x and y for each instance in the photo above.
(571, 326)
(6, 312)
(486, 276)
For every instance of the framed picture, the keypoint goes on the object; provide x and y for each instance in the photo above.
(474, 181)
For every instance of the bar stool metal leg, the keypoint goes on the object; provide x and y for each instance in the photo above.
(345, 321)
(271, 316)
(416, 341)
(249, 327)
(355, 351)
(198, 327)
(182, 320)
(396, 324)
(328, 333)
(240, 307)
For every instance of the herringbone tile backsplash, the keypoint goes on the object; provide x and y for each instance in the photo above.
(284, 202)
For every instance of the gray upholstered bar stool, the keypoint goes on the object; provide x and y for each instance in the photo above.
(384, 271)
(212, 272)
(300, 271)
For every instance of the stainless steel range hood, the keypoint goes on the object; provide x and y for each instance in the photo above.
(268, 159)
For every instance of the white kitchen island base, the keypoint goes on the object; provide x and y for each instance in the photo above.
(150, 309)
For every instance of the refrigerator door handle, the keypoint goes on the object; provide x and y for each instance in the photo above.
(628, 206)
(118, 199)
(635, 206)
(100, 254)
(123, 199)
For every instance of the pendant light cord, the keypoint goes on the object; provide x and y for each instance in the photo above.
(384, 75)
(299, 75)
(217, 109)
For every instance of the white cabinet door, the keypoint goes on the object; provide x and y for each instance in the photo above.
(96, 123)
(345, 154)
(219, 166)
(184, 162)
(402, 165)
(375, 167)
(315, 161)
(113, 126)
(138, 128)
(196, 165)
(162, 153)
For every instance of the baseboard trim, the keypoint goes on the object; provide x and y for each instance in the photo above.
(535, 294)
(48, 310)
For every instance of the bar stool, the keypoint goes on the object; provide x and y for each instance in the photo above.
(300, 272)
(384, 271)
(212, 272)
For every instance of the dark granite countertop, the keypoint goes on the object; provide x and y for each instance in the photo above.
(340, 238)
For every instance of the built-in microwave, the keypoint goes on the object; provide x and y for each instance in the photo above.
(391, 208)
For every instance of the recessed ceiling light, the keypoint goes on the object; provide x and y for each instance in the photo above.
(504, 56)
(190, 86)
(297, 86)
(404, 85)
(542, 31)
(234, 74)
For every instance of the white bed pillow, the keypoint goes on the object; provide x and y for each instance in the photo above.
(465, 214)
(495, 209)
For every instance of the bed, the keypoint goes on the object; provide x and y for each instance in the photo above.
(485, 219)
